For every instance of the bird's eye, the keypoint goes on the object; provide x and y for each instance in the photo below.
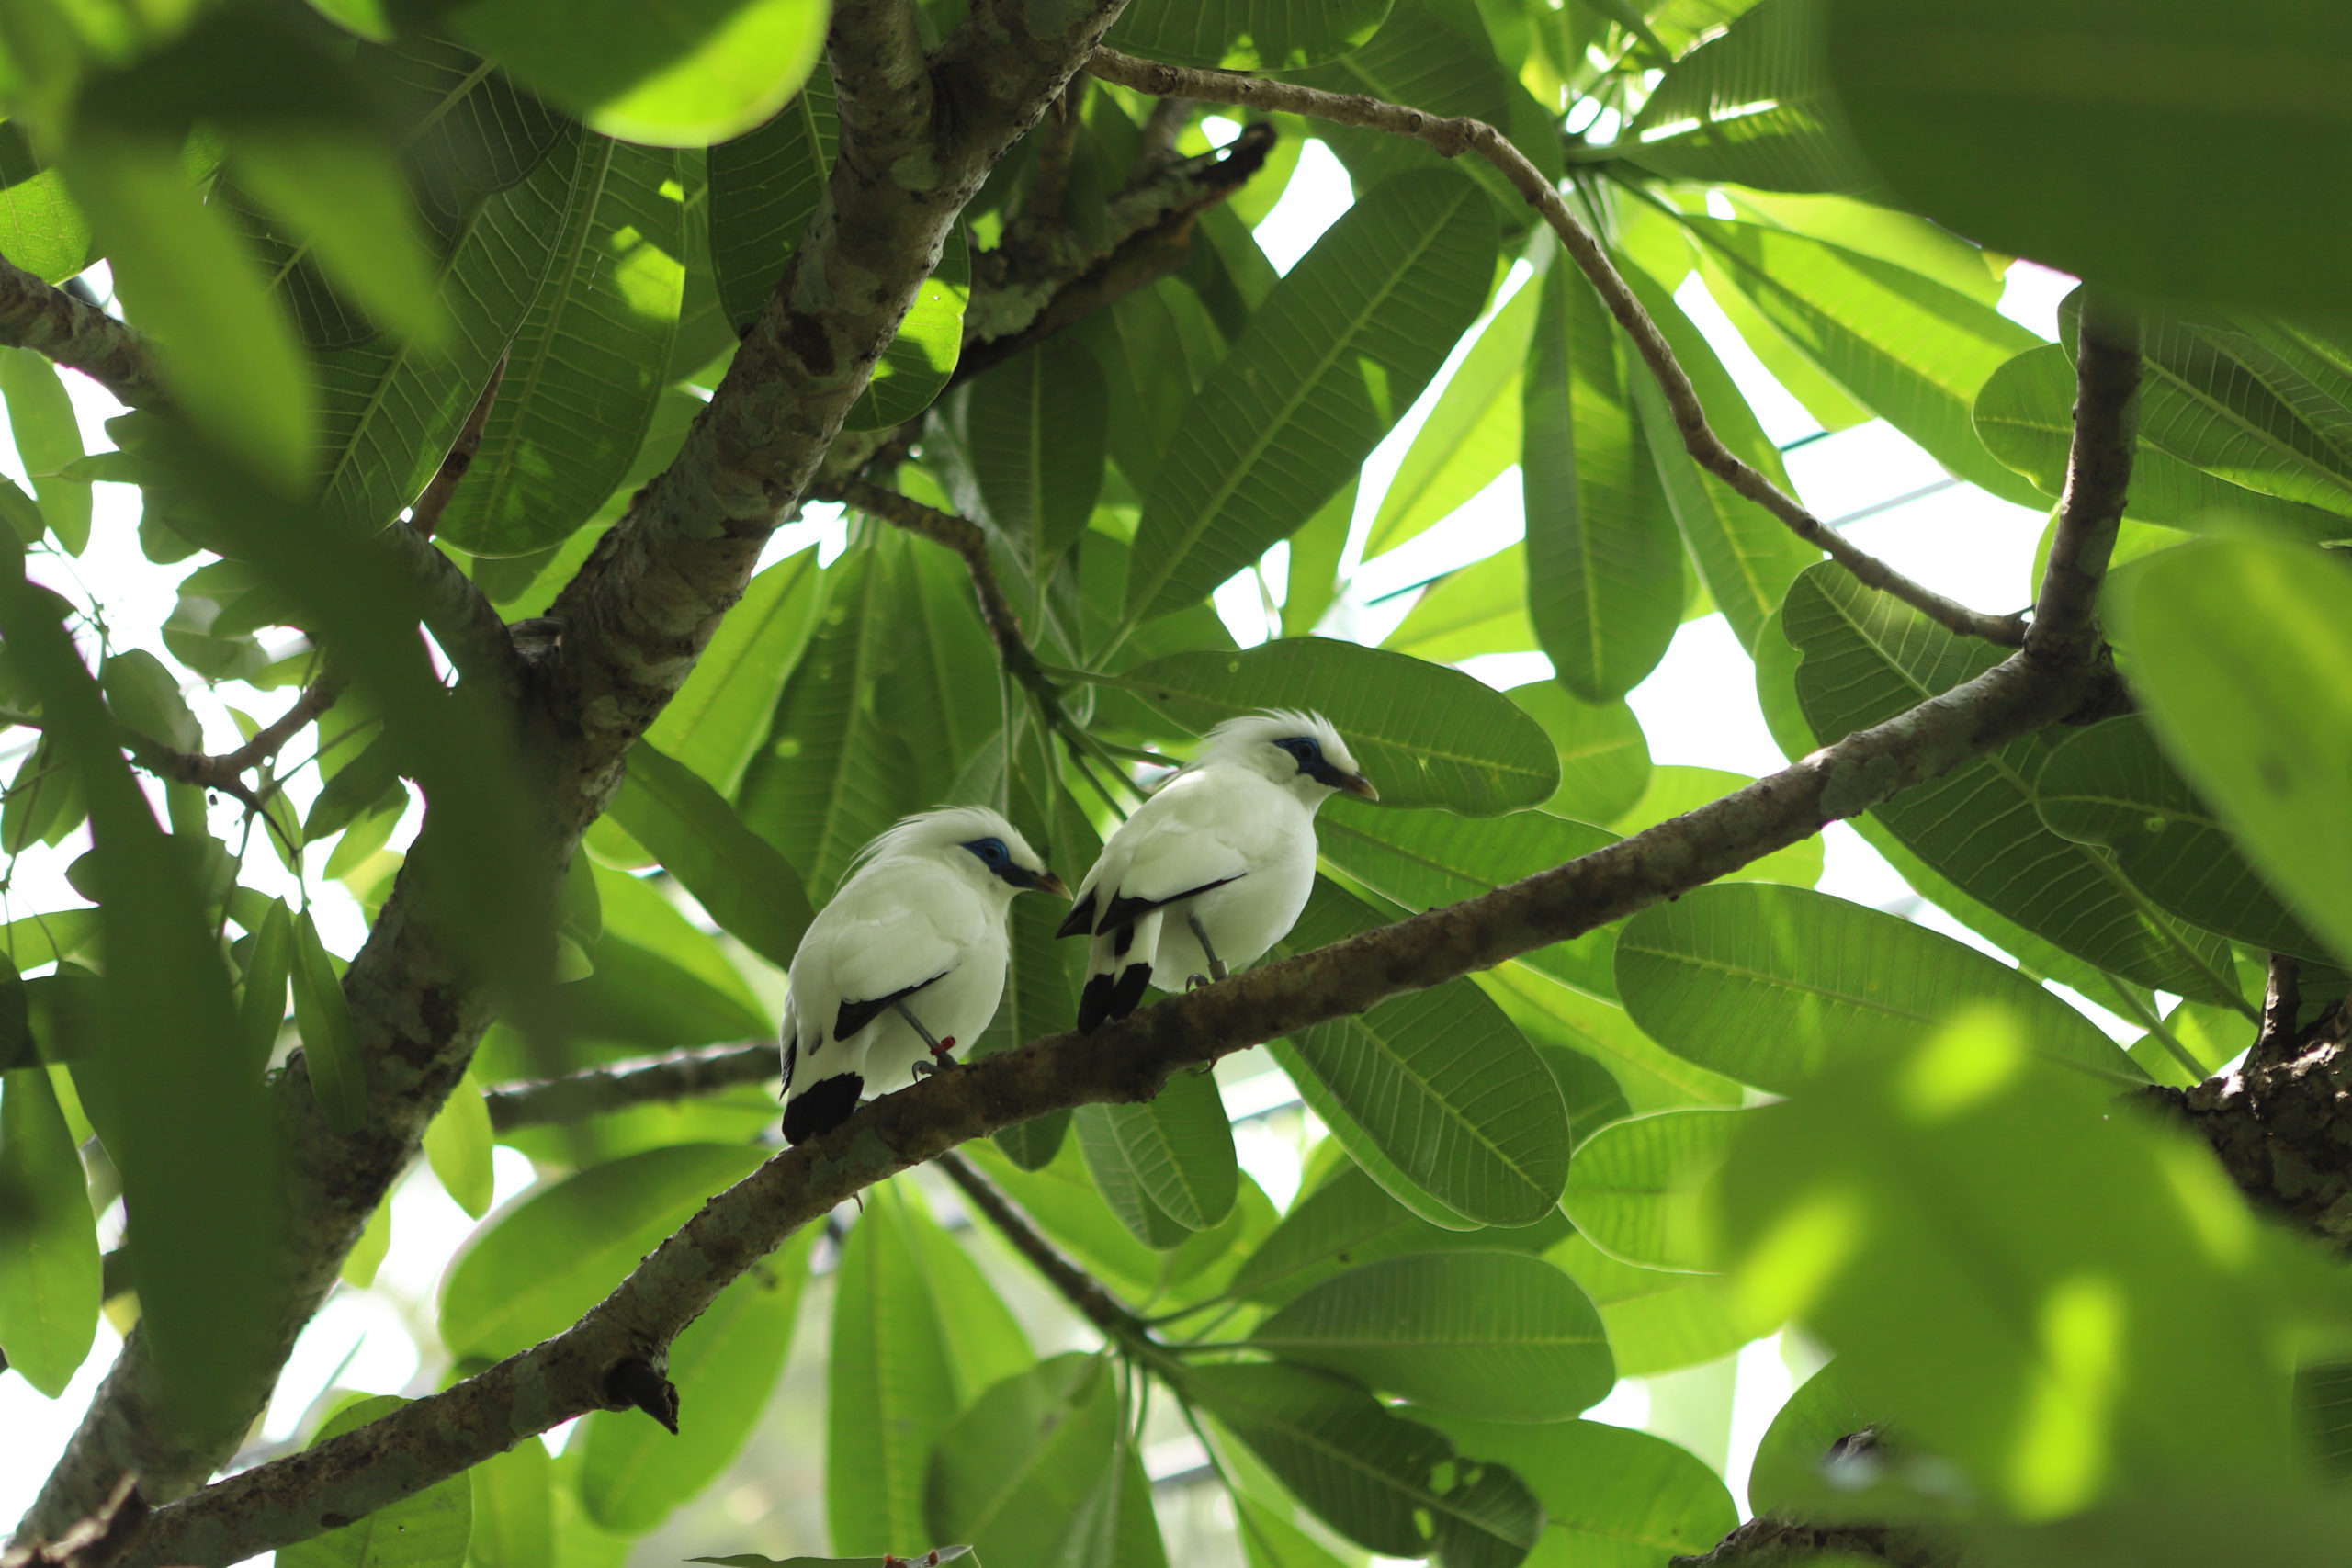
(993, 849)
(1307, 752)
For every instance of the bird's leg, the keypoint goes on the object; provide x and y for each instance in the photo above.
(1217, 970)
(940, 1060)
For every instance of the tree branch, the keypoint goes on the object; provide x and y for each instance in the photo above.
(2099, 478)
(293, 1498)
(1095, 1304)
(77, 335)
(1454, 136)
(227, 771)
(1769, 1542)
(425, 515)
(619, 1085)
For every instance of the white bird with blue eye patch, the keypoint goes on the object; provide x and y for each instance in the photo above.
(1213, 868)
(905, 964)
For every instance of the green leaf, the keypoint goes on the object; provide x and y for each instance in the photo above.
(514, 1509)
(1441, 1083)
(457, 1143)
(2025, 415)
(1611, 1495)
(724, 1366)
(36, 939)
(682, 75)
(187, 280)
(1604, 756)
(2110, 785)
(1060, 1197)
(1334, 358)
(1165, 1166)
(764, 188)
(48, 1239)
(1912, 351)
(49, 441)
(20, 512)
(356, 788)
(1657, 1322)
(1604, 566)
(1745, 556)
(1377, 1479)
(1471, 435)
(916, 363)
(2236, 703)
(1362, 1148)
(342, 189)
(1479, 608)
(717, 722)
(1892, 236)
(1022, 1475)
(1245, 35)
(1424, 734)
(1772, 984)
(1868, 657)
(41, 228)
(389, 414)
(2002, 122)
(367, 1254)
(752, 1560)
(1036, 428)
(428, 1528)
(1036, 1002)
(551, 1258)
(1791, 1473)
(1634, 1189)
(737, 875)
(1752, 106)
(911, 1346)
(330, 1039)
(1351, 1220)
(1497, 1335)
(142, 695)
(1315, 552)
(1674, 790)
(586, 365)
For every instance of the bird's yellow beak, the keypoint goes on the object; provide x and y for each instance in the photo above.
(1049, 883)
(1356, 784)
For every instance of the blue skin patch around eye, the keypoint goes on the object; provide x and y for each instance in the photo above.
(1306, 750)
(991, 851)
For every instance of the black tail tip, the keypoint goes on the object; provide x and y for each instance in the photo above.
(1129, 990)
(822, 1107)
(1094, 1003)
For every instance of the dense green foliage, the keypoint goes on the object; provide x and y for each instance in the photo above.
(340, 223)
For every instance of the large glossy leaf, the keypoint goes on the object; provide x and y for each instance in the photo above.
(1165, 1166)
(1245, 35)
(2025, 415)
(2004, 119)
(1772, 984)
(2222, 400)
(1903, 238)
(1036, 426)
(2110, 785)
(49, 440)
(426, 1529)
(537, 1266)
(764, 188)
(1604, 756)
(1746, 557)
(918, 1335)
(1613, 1497)
(1867, 658)
(1580, 1012)
(916, 363)
(1657, 1321)
(41, 228)
(1333, 359)
(1752, 106)
(1350, 1220)
(1479, 608)
(48, 1239)
(1499, 1336)
(515, 1509)
(716, 723)
(388, 410)
(1909, 349)
(1377, 1478)
(586, 365)
(1792, 1459)
(680, 75)
(738, 876)
(1424, 734)
(1442, 1084)
(329, 1039)
(2238, 648)
(1040, 1469)
(457, 1141)
(1634, 1189)
(1471, 435)
(724, 1367)
(1604, 566)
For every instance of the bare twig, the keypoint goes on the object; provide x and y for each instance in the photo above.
(1454, 136)
(1077, 1287)
(90, 1543)
(1160, 130)
(78, 335)
(226, 771)
(425, 515)
(619, 1085)
(2099, 477)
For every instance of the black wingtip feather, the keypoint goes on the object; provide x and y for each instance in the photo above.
(823, 1106)
(1080, 921)
(1094, 1004)
(1129, 990)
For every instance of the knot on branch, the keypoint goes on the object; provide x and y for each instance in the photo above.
(634, 1384)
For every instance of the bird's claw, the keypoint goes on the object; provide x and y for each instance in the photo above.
(940, 1060)
(1195, 982)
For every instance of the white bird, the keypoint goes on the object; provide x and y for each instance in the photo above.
(905, 962)
(1214, 869)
